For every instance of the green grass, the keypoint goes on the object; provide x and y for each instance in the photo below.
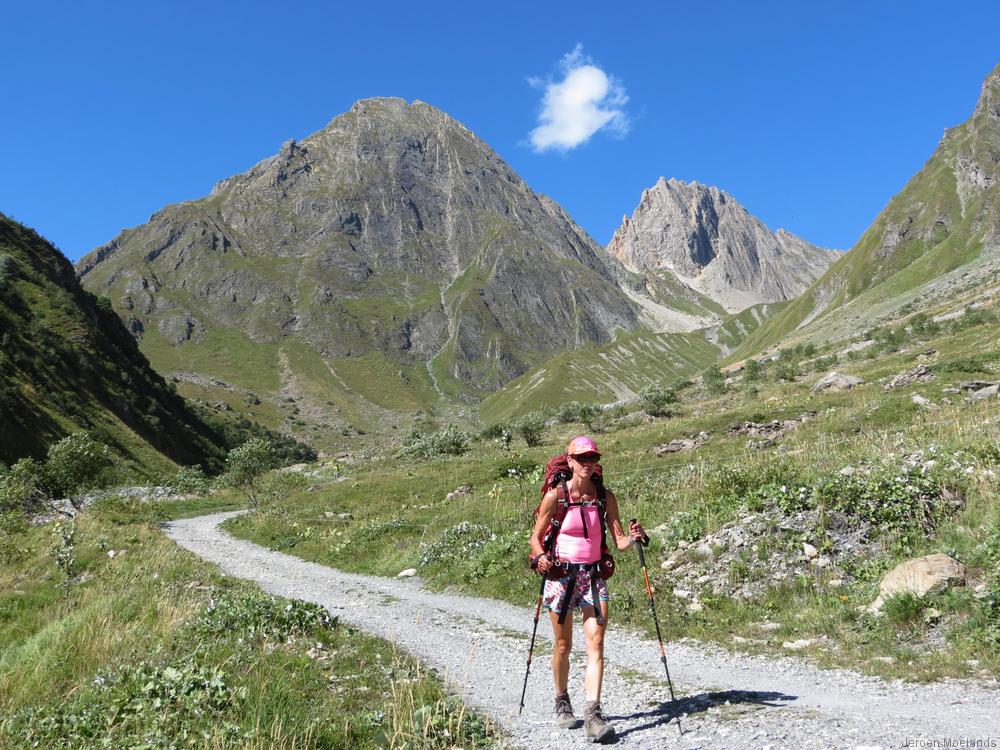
(132, 650)
(399, 512)
(602, 374)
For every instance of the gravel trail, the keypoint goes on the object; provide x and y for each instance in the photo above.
(727, 700)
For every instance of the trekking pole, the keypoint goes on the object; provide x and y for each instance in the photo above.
(656, 622)
(531, 648)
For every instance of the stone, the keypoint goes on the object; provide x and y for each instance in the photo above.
(982, 394)
(345, 516)
(919, 576)
(695, 606)
(682, 594)
(885, 659)
(975, 385)
(800, 644)
(821, 562)
(924, 403)
(835, 583)
(408, 573)
(809, 551)
(919, 374)
(702, 552)
(329, 514)
(836, 381)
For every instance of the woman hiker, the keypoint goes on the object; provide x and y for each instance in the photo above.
(578, 543)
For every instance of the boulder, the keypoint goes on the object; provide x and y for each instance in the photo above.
(975, 385)
(920, 374)
(919, 576)
(924, 403)
(682, 445)
(982, 394)
(836, 381)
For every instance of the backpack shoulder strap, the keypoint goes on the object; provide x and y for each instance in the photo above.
(562, 508)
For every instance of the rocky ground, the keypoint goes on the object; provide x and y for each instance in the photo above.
(724, 700)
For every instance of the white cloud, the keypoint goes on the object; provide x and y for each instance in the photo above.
(586, 100)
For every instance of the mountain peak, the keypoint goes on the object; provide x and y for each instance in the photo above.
(703, 236)
(989, 96)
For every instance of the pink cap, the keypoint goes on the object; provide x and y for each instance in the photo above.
(580, 445)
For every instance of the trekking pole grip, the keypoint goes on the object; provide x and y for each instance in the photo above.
(638, 547)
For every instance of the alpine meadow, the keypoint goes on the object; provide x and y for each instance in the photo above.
(270, 462)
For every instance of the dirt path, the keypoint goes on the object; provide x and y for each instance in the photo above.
(729, 700)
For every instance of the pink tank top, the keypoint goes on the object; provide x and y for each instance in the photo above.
(571, 545)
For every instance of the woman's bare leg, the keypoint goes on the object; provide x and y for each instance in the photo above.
(560, 651)
(594, 633)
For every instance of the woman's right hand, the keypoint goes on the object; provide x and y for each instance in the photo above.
(544, 564)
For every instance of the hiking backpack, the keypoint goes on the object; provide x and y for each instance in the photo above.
(557, 475)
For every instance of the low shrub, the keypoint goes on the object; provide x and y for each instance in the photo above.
(448, 442)
(530, 428)
(190, 480)
(658, 400)
(147, 704)
(457, 543)
(255, 615)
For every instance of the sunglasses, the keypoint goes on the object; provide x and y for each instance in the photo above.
(587, 458)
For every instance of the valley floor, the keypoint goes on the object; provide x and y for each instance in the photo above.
(726, 700)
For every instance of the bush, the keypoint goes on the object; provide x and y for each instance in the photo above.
(752, 371)
(530, 427)
(256, 615)
(22, 487)
(714, 381)
(656, 399)
(190, 480)
(457, 543)
(574, 411)
(74, 462)
(494, 431)
(786, 370)
(247, 464)
(892, 498)
(448, 442)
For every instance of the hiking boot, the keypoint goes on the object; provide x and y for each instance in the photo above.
(564, 713)
(595, 725)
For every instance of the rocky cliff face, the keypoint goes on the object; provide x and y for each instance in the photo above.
(714, 245)
(393, 233)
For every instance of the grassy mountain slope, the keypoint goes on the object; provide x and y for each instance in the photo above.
(622, 369)
(939, 237)
(67, 363)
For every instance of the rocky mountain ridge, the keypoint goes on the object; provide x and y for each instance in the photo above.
(711, 243)
(393, 232)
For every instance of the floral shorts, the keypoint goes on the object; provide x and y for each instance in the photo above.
(582, 595)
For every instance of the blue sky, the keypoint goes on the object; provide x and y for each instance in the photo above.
(811, 114)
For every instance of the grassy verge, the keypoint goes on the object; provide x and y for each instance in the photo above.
(843, 463)
(114, 637)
